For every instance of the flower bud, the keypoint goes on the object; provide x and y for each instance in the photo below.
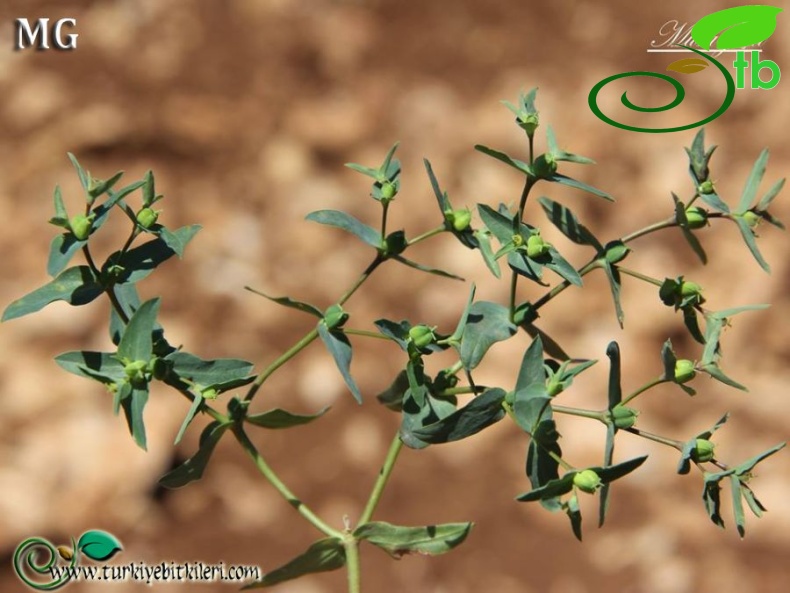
(544, 166)
(684, 371)
(528, 122)
(536, 246)
(335, 317)
(702, 451)
(388, 190)
(696, 217)
(751, 218)
(135, 371)
(459, 219)
(81, 226)
(554, 387)
(706, 187)
(623, 416)
(587, 481)
(690, 289)
(421, 335)
(146, 218)
(210, 393)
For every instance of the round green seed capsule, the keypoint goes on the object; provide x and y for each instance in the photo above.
(147, 217)
(702, 451)
(544, 166)
(751, 218)
(587, 481)
(388, 190)
(421, 335)
(335, 316)
(624, 417)
(684, 371)
(706, 187)
(81, 226)
(696, 217)
(460, 219)
(536, 246)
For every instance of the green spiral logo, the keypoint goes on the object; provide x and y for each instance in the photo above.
(680, 94)
(28, 561)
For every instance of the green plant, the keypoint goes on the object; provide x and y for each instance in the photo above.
(429, 403)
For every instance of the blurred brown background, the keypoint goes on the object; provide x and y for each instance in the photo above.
(246, 112)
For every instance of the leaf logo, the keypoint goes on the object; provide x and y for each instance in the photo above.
(736, 27)
(688, 65)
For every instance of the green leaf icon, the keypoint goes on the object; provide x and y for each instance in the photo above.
(98, 545)
(736, 27)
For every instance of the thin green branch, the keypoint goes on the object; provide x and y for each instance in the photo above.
(643, 388)
(381, 480)
(426, 235)
(655, 437)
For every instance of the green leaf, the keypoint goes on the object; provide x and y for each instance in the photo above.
(137, 341)
(486, 324)
(324, 555)
(615, 391)
(560, 266)
(531, 370)
(690, 320)
(214, 373)
(550, 490)
(459, 329)
(748, 237)
(193, 409)
(177, 243)
(714, 371)
(699, 158)
(735, 28)
(441, 197)
(61, 250)
(747, 466)
(737, 505)
(531, 406)
(501, 156)
(427, 269)
(192, 469)
(389, 168)
(480, 413)
(691, 238)
(669, 359)
(368, 171)
(98, 545)
(564, 180)
(279, 418)
(484, 243)
(608, 457)
(133, 407)
(498, 224)
(711, 496)
(542, 454)
(565, 220)
(575, 515)
(613, 276)
(392, 396)
(340, 348)
(141, 261)
(84, 177)
(714, 201)
(129, 299)
(348, 223)
(753, 182)
(77, 286)
(769, 196)
(102, 366)
(684, 465)
(289, 302)
(527, 267)
(429, 540)
(615, 472)
(755, 505)
(60, 208)
(551, 347)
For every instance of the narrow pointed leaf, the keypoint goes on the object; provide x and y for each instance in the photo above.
(279, 418)
(137, 341)
(133, 407)
(715, 202)
(192, 469)
(92, 365)
(669, 359)
(501, 156)
(565, 220)
(542, 453)
(497, 223)
(575, 515)
(77, 286)
(422, 268)
(753, 182)
(551, 347)
(478, 414)
(386, 169)
(429, 540)
(348, 223)
(369, 171)
(444, 203)
(552, 489)
(484, 243)
(608, 457)
(561, 267)
(714, 371)
(613, 276)
(140, 262)
(769, 196)
(755, 505)
(564, 180)
(531, 370)
(459, 329)
(209, 372)
(289, 302)
(324, 555)
(751, 243)
(711, 496)
(193, 409)
(691, 238)
(340, 348)
(83, 176)
(737, 505)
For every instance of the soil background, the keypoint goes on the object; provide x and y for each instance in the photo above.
(246, 112)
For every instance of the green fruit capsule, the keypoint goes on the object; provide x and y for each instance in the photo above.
(587, 481)
(421, 335)
(696, 217)
(544, 166)
(528, 122)
(623, 416)
(616, 251)
(459, 219)
(706, 187)
(146, 218)
(210, 393)
(335, 317)
(388, 190)
(135, 371)
(81, 226)
(536, 246)
(702, 451)
(751, 218)
(684, 371)
(554, 387)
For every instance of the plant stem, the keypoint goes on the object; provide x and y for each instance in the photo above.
(366, 333)
(641, 276)
(645, 387)
(280, 361)
(381, 480)
(516, 229)
(361, 280)
(384, 208)
(426, 235)
(275, 481)
(664, 224)
(352, 564)
(579, 412)
(656, 438)
(584, 270)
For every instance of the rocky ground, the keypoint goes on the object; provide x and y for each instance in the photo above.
(246, 111)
